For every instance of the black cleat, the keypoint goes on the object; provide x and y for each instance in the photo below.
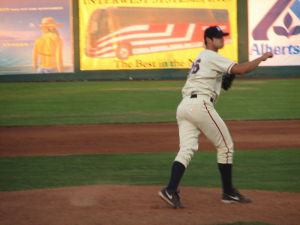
(171, 197)
(234, 197)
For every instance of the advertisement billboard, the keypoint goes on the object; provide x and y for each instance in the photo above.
(150, 34)
(36, 37)
(274, 25)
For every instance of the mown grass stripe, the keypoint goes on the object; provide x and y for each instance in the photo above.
(276, 170)
(23, 104)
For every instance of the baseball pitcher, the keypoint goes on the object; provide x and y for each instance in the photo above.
(196, 114)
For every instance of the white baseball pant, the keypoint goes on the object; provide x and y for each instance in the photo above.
(196, 116)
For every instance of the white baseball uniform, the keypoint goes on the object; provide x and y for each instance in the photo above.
(196, 113)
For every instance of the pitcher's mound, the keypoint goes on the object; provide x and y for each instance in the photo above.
(140, 205)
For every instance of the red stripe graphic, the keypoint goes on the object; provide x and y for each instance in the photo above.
(147, 38)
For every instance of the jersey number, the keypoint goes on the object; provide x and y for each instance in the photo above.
(195, 66)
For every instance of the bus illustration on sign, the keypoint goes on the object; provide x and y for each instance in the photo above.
(124, 31)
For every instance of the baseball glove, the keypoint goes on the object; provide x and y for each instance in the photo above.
(227, 80)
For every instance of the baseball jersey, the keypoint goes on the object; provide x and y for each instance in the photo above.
(205, 75)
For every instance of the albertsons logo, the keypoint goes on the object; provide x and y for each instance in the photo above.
(289, 26)
(277, 31)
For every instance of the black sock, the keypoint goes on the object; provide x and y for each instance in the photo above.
(176, 175)
(226, 176)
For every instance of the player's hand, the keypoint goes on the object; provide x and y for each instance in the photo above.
(267, 55)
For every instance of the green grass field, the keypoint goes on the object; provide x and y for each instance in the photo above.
(64, 103)
(27, 104)
(276, 170)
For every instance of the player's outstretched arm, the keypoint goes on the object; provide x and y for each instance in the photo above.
(251, 65)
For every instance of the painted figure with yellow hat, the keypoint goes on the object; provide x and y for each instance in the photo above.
(47, 51)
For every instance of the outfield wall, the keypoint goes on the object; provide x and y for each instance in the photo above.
(154, 74)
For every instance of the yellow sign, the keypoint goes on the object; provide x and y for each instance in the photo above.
(151, 34)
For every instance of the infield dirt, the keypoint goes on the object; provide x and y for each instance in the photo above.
(139, 205)
(139, 138)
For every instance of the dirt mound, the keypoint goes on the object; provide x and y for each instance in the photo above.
(111, 205)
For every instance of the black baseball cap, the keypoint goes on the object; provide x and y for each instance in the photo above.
(214, 32)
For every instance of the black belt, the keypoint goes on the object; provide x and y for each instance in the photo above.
(195, 96)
